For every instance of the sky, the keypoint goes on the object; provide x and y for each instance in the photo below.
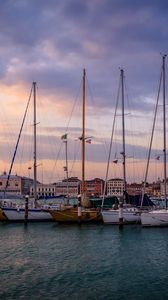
(51, 42)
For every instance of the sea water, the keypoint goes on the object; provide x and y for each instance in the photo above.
(52, 261)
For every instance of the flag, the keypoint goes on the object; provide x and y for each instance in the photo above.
(158, 157)
(64, 136)
(115, 161)
(87, 139)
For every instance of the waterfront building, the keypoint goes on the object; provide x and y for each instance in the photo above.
(73, 187)
(17, 185)
(153, 189)
(134, 188)
(43, 190)
(115, 187)
(94, 187)
(162, 188)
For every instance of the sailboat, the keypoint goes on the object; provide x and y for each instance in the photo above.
(15, 212)
(125, 213)
(81, 213)
(159, 217)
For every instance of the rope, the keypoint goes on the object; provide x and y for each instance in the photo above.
(111, 141)
(151, 140)
(17, 143)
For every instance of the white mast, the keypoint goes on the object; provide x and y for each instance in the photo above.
(83, 135)
(122, 199)
(123, 129)
(66, 166)
(35, 150)
(164, 129)
(82, 197)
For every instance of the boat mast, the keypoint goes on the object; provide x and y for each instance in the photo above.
(83, 135)
(66, 167)
(164, 128)
(35, 162)
(123, 130)
(122, 199)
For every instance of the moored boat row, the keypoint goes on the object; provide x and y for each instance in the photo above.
(69, 214)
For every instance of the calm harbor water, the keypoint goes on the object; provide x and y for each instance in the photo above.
(51, 261)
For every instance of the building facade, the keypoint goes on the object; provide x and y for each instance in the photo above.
(94, 187)
(17, 185)
(43, 190)
(72, 187)
(115, 187)
(134, 188)
(162, 188)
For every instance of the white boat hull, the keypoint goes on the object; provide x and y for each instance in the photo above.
(16, 214)
(155, 218)
(112, 216)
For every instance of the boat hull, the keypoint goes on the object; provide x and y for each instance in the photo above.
(158, 218)
(112, 217)
(71, 216)
(3, 217)
(18, 215)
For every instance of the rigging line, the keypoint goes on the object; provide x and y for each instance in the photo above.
(67, 126)
(111, 142)
(24, 150)
(17, 143)
(73, 107)
(43, 118)
(30, 152)
(41, 148)
(56, 161)
(151, 140)
(90, 90)
(93, 102)
(21, 153)
(105, 146)
(132, 136)
(75, 158)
